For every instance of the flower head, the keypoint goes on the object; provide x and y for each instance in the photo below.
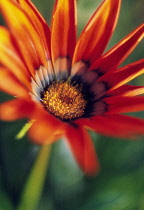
(66, 86)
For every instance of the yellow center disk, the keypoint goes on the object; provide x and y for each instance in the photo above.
(64, 100)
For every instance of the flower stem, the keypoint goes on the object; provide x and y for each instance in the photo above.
(33, 188)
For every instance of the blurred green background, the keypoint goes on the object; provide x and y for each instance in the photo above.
(120, 183)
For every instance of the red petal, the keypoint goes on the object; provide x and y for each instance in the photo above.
(16, 109)
(83, 149)
(25, 34)
(10, 84)
(63, 29)
(127, 90)
(123, 75)
(46, 128)
(55, 6)
(115, 125)
(115, 56)
(98, 31)
(10, 57)
(123, 104)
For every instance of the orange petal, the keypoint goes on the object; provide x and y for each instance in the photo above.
(83, 149)
(39, 23)
(46, 129)
(10, 84)
(25, 34)
(115, 56)
(115, 125)
(10, 57)
(127, 90)
(63, 29)
(97, 32)
(123, 75)
(123, 104)
(16, 109)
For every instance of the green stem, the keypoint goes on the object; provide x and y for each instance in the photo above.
(33, 188)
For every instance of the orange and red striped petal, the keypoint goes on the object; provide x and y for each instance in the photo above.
(10, 58)
(11, 85)
(115, 125)
(123, 104)
(123, 75)
(127, 90)
(83, 149)
(47, 128)
(97, 32)
(39, 23)
(63, 36)
(44, 133)
(116, 55)
(25, 34)
(16, 109)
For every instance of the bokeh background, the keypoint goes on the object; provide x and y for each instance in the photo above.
(120, 183)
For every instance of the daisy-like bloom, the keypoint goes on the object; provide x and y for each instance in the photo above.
(68, 87)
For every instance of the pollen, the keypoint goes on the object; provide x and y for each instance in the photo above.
(64, 100)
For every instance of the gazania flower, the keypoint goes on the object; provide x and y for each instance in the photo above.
(68, 87)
